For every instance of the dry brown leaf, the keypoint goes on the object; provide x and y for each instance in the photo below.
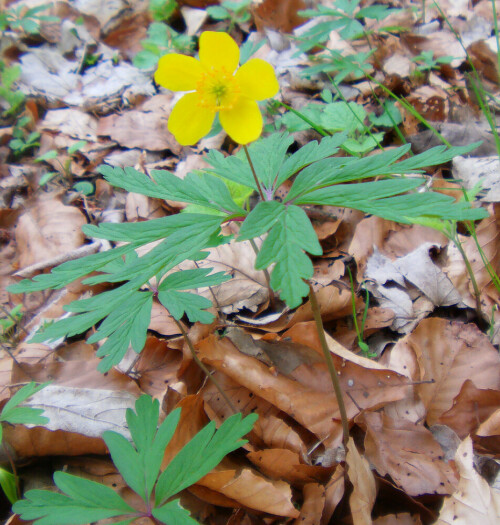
(157, 367)
(252, 490)
(247, 288)
(307, 394)
(284, 464)
(448, 354)
(72, 122)
(144, 128)
(409, 454)
(333, 494)
(48, 229)
(312, 507)
(490, 427)
(364, 490)
(471, 407)
(474, 500)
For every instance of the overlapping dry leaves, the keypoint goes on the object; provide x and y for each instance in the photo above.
(420, 411)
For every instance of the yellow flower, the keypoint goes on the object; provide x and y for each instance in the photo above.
(217, 86)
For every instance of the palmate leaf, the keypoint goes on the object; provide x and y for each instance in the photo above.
(269, 156)
(149, 441)
(185, 303)
(201, 189)
(126, 310)
(290, 235)
(381, 198)
(204, 452)
(83, 501)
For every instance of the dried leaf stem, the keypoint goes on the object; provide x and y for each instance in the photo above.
(206, 371)
(331, 366)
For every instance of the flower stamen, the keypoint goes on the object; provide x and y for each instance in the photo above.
(217, 89)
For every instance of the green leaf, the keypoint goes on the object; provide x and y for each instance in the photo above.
(343, 116)
(189, 279)
(201, 455)
(390, 117)
(290, 235)
(83, 501)
(140, 466)
(8, 484)
(267, 156)
(217, 12)
(180, 303)
(24, 415)
(308, 154)
(173, 514)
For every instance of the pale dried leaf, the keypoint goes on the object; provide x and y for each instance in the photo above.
(364, 490)
(474, 501)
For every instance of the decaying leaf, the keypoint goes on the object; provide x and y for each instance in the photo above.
(474, 500)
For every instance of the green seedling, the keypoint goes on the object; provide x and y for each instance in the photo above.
(23, 141)
(65, 167)
(233, 12)
(81, 501)
(161, 40)
(427, 62)
(162, 10)
(14, 414)
(20, 18)
(11, 99)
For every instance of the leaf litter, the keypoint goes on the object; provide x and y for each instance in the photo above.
(438, 364)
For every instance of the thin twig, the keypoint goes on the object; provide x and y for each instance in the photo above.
(261, 193)
(203, 367)
(331, 366)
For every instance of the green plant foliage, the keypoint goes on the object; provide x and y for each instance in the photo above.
(14, 414)
(233, 12)
(83, 501)
(11, 99)
(162, 10)
(27, 20)
(161, 40)
(122, 313)
(345, 18)
(426, 61)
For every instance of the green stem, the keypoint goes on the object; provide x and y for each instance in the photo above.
(477, 294)
(266, 275)
(203, 367)
(257, 183)
(331, 366)
(314, 126)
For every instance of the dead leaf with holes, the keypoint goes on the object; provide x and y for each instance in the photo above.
(471, 407)
(312, 507)
(409, 454)
(448, 354)
(474, 500)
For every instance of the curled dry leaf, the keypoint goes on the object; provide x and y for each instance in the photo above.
(306, 394)
(490, 427)
(251, 490)
(48, 229)
(471, 407)
(448, 354)
(409, 454)
(247, 288)
(364, 490)
(284, 464)
(312, 507)
(474, 500)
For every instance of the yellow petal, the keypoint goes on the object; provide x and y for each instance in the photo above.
(178, 72)
(257, 79)
(219, 50)
(189, 122)
(243, 122)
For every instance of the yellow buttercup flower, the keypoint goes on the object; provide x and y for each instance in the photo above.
(216, 85)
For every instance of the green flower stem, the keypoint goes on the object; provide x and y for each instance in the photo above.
(266, 275)
(261, 193)
(206, 371)
(331, 366)
(477, 294)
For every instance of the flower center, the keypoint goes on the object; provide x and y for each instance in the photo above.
(218, 89)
